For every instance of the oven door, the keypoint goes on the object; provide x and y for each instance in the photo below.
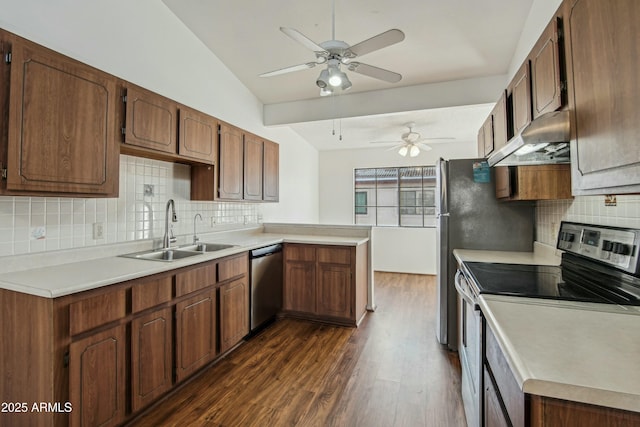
(470, 350)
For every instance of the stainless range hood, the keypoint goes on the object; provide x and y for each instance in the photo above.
(543, 141)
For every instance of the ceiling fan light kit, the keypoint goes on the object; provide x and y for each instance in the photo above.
(335, 53)
(412, 142)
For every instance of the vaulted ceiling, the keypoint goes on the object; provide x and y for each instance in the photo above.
(445, 42)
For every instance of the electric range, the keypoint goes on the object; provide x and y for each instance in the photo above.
(599, 264)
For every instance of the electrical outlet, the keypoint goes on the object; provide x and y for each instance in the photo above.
(148, 190)
(98, 230)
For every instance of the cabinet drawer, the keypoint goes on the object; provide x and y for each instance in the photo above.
(98, 310)
(334, 255)
(231, 267)
(150, 293)
(194, 279)
(299, 252)
(507, 387)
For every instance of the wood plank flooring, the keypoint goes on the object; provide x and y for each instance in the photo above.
(390, 371)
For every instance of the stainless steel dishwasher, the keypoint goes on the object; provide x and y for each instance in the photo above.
(266, 285)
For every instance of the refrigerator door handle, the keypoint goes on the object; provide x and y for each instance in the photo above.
(442, 214)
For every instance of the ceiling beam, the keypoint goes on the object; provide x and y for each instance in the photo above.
(479, 90)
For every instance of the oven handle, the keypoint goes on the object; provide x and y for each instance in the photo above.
(462, 289)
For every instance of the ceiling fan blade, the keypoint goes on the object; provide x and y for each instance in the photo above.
(375, 72)
(395, 147)
(423, 147)
(386, 142)
(435, 139)
(304, 40)
(289, 69)
(377, 42)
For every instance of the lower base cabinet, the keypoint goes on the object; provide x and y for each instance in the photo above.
(97, 378)
(326, 282)
(151, 357)
(195, 333)
(234, 313)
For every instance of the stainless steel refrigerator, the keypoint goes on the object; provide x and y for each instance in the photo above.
(470, 217)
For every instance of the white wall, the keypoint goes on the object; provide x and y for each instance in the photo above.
(143, 42)
(410, 250)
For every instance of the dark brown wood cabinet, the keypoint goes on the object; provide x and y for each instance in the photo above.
(151, 120)
(534, 182)
(602, 68)
(519, 91)
(234, 312)
(499, 120)
(547, 80)
(481, 142)
(271, 172)
(326, 283)
(253, 167)
(487, 135)
(58, 124)
(198, 135)
(97, 378)
(231, 161)
(195, 333)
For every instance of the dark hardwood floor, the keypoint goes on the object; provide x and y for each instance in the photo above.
(390, 371)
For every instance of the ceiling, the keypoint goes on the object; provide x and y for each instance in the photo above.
(445, 41)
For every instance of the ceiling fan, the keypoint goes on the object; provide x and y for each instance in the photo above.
(412, 142)
(336, 53)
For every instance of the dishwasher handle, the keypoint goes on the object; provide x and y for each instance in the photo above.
(266, 251)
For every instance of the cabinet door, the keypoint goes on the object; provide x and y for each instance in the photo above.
(195, 333)
(198, 135)
(234, 313)
(151, 120)
(62, 124)
(487, 138)
(230, 163)
(520, 89)
(151, 360)
(481, 142)
(333, 290)
(546, 79)
(97, 379)
(503, 182)
(300, 286)
(499, 117)
(271, 172)
(605, 59)
(253, 170)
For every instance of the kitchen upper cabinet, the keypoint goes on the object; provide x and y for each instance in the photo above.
(58, 124)
(253, 167)
(151, 120)
(234, 312)
(499, 119)
(230, 175)
(547, 78)
(97, 378)
(481, 142)
(271, 172)
(198, 135)
(327, 283)
(602, 41)
(151, 357)
(487, 135)
(520, 92)
(195, 333)
(534, 182)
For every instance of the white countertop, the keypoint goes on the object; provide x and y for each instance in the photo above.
(583, 352)
(541, 255)
(72, 277)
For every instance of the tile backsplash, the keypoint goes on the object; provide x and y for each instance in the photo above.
(586, 209)
(36, 224)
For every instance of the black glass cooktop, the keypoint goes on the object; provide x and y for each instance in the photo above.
(546, 282)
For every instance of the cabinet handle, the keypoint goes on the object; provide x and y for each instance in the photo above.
(66, 359)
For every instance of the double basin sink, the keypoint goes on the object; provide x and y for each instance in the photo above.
(172, 254)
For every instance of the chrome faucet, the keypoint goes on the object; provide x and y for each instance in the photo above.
(195, 236)
(169, 238)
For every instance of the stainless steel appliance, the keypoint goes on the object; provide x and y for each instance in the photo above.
(470, 217)
(600, 265)
(266, 285)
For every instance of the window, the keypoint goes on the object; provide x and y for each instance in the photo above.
(394, 196)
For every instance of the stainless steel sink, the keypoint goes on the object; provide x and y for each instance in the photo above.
(206, 247)
(165, 255)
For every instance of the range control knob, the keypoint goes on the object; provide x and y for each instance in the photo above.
(569, 237)
(621, 248)
(607, 245)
